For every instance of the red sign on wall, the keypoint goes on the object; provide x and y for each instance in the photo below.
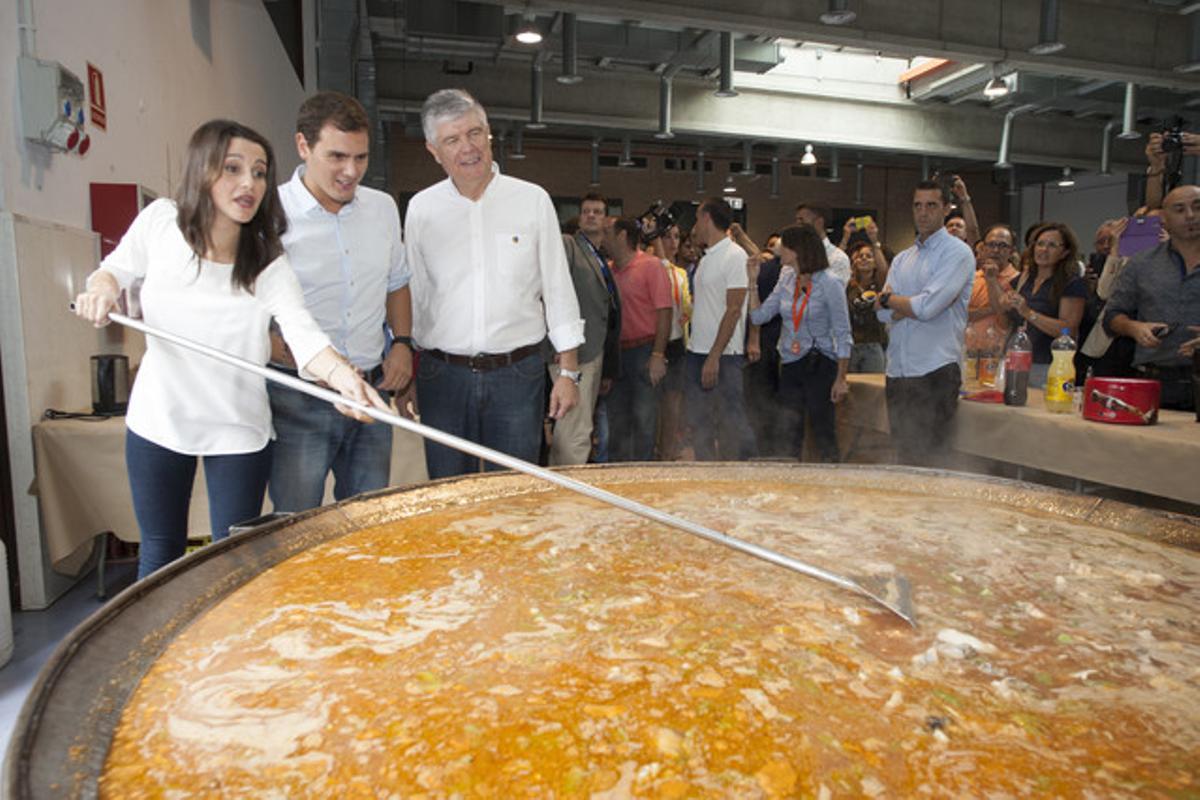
(99, 108)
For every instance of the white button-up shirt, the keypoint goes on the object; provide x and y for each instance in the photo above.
(489, 275)
(347, 263)
(183, 401)
(839, 262)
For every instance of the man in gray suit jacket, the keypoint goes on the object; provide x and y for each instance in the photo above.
(599, 355)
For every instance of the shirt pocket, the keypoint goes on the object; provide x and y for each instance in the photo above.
(516, 257)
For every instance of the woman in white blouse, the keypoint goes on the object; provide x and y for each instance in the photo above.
(212, 270)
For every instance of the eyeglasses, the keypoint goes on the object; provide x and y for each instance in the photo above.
(997, 245)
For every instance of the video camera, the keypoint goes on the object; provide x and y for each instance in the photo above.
(655, 220)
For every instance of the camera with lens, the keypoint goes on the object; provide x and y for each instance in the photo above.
(655, 221)
(1172, 138)
(1172, 147)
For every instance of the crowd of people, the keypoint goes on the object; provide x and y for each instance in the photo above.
(619, 339)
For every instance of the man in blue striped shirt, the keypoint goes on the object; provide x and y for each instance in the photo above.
(925, 305)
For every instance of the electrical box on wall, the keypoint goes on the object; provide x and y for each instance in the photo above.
(52, 105)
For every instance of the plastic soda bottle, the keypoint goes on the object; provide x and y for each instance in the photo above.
(1060, 381)
(1017, 362)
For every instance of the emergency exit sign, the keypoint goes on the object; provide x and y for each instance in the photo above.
(99, 108)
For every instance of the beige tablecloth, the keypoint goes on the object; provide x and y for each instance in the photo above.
(83, 486)
(1159, 459)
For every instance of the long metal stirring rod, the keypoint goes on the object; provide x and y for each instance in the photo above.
(520, 465)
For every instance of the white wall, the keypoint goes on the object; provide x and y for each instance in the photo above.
(168, 66)
(1093, 199)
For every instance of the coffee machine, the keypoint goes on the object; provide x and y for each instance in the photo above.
(110, 384)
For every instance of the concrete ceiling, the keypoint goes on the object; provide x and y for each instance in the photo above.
(624, 47)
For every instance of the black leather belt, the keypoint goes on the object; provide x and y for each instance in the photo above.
(372, 377)
(483, 362)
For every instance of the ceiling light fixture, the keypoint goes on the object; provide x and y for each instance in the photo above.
(729, 187)
(1066, 181)
(838, 13)
(997, 87)
(809, 158)
(528, 33)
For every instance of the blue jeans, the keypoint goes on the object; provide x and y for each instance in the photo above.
(312, 438)
(500, 408)
(161, 483)
(867, 357)
(633, 408)
(716, 418)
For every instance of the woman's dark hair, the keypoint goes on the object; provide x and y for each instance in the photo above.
(258, 244)
(806, 243)
(1064, 270)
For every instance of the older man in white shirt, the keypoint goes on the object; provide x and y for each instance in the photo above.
(489, 283)
(839, 262)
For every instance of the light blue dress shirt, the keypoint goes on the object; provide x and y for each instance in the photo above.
(347, 264)
(937, 275)
(826, 321)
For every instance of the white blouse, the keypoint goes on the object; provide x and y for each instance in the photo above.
(185, 401)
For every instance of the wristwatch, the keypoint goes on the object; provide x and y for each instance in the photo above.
(404, 340)
(575, 375)
(884, 299)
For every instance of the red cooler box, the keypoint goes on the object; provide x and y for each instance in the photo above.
(1125, 401)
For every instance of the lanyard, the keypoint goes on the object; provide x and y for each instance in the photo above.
(604, 270)
(798, 317)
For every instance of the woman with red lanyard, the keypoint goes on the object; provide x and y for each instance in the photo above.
(815, 342)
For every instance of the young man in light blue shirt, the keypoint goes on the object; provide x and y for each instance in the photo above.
(925, 305)
(344, 244)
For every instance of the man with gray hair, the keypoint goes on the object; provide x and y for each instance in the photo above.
(489, 283)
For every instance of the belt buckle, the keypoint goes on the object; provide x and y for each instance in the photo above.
(476, 362)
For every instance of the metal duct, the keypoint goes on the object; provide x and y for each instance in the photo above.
(1193, 62)
(700, 172)
(1129, 117)
(1006, 136)
(747, 158)
(858, 184)
(518, 153)
(838, 13)
(774, 177)
(834, 165)
(1048, 41)
(535, 96)
(626, 159)
(924, 168)
(365, 75)
(595, 181)
(501, 148)
(726, 89)
(570, 51)
(1106, 148)
(664, 109)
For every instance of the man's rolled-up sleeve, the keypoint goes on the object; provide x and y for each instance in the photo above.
(1123, 299)
(944, 289)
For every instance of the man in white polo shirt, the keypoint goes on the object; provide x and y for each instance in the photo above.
(714, 404)
(343, 241)
(490, 282)
(839, 262)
